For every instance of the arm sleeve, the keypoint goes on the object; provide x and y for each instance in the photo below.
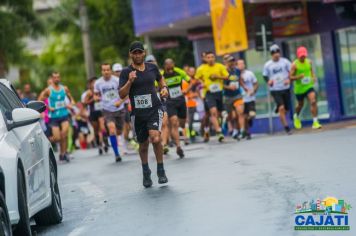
(199, 74)
(224, 71)
(123, 78)
(254, 79)
(158, 74)
(182, 73)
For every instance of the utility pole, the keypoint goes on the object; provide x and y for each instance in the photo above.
(84, 27)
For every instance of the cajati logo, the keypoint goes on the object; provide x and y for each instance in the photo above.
(328, 214)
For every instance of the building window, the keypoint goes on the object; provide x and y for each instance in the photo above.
(255, 61)
(312, 43)
(346, 40)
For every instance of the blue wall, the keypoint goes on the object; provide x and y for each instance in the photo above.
(153, 14)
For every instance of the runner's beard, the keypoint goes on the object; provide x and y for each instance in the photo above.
(137, 61)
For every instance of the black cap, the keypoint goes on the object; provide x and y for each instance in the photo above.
(137, 45)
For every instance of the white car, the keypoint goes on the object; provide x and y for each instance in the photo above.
(28, 176)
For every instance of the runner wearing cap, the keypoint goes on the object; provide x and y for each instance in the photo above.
(138, 82)
(212, 74)
(276, 74)
(116, 69)
(106, 91)
(233, 101)
(303, 76)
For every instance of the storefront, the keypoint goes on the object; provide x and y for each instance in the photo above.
(326, 28)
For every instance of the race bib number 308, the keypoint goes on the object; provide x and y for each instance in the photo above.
(143, 101)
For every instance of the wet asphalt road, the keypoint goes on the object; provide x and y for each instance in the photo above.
(235, 188)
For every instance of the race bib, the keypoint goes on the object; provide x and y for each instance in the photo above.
(59, 105)
(235, 83)
(175, 92)
(111, 95)
(306, 80)
(98, 106)
(279, 79)
(143, 101)
(84, 130)
(214, 88)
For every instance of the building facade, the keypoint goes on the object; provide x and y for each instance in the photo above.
(326, 27)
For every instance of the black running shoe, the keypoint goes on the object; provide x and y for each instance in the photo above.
(180, 152)
(106, 149)
(66, 157)
(147, 181)
(118, 158)
(61, 157)
(248, 136)
(100, 151)
(162, 178)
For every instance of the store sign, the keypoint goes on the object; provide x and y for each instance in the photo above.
(229, 29)
(290, 20)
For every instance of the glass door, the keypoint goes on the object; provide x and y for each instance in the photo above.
(346, 40)
(312, 43)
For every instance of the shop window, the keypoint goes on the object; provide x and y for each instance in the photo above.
(346, 40)
(312, 43)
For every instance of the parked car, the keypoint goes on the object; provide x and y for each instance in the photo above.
(28, 180)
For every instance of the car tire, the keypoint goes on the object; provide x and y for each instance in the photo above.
(53, 213)
(5, 225)
(23, 228)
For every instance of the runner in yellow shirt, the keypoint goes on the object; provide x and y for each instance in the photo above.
(213, 74)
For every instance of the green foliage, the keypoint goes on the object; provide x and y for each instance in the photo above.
(17, 21)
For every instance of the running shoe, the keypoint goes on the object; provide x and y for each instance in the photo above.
(316, 125)
(118, 158)
(66, 157)
(288, 131)
(147, 181)
(100, 151)
(106, 149)
(134, 144)
(162, 178)
(61, 158)
(297, 122)
(180, 152)
(248, 136)
(165, 149)
(221, 137)
(206, 137)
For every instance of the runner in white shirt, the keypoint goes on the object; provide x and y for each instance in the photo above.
(250, 86)
(276, 74)
(106, 90)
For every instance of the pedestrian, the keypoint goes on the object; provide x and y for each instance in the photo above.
(106, 91)
(304, 79)
(176, 105)
(96, 117)
(59, 98)
(233, 100)
(276, 74)
(250, 86)
(212, 75)
(191, 95)
(27, 94)
(138, 81)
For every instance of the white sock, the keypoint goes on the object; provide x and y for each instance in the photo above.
(206, 129)
(315, 119)
(234, 132)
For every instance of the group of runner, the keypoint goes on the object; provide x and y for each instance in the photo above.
(142, 104)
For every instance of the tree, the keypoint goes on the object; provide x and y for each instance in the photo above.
(18, 20)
